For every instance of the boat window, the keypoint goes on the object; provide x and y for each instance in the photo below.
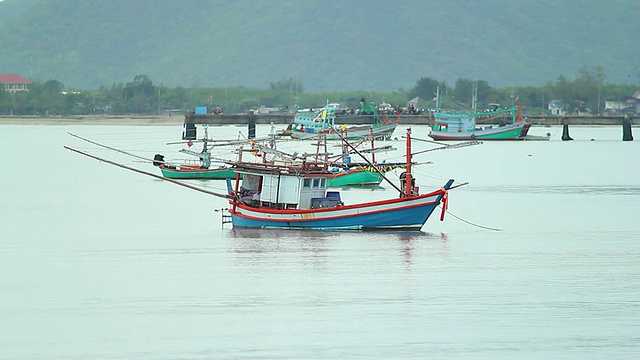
(323, 182)
(251, 182)
(316, 183)
(306, 184)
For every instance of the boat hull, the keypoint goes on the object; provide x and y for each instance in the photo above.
(379, 132)
(197, 173)
(515, 131)
(407, 214)
(358, 177)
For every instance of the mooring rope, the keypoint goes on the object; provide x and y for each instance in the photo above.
(469, 222)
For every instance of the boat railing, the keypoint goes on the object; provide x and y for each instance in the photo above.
(191, 162)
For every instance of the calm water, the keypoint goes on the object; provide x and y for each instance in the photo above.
(97, 262)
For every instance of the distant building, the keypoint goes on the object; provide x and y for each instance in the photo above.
(561, 107)
(614, 107)
(558, 107)
(418, 102)
(417, 105)
(266, 110)
(626, 105)
(13, 83)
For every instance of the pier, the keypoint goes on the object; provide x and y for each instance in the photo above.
(545, 120)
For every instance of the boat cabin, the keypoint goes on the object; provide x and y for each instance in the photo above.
(285, 190)
(454, 122)
(467, 121)
(315, 121)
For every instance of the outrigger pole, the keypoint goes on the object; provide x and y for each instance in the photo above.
(447, 146)
(110, 148)
(150, 174)
(368, 162)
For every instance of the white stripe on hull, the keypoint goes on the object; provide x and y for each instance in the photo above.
(342, 211)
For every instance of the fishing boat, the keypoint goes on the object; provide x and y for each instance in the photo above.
(341, 171)
(296, 197)
(308, 123)
(270, 196)
(501, 123)
(192, 171)
(340, 177)
(199, 169)
(349, 173)
(344, 174)
(360, 174)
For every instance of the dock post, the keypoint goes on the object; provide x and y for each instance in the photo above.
(565, 131)
(626, 129)
(189, 127)
(251, 127)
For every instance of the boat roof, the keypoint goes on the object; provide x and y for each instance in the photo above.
(281, 170)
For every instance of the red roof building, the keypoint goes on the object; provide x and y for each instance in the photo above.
(13, 82)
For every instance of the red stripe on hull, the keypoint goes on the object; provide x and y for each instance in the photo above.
(313, 211)
(344, 207)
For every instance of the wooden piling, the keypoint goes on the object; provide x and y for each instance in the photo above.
(626, 130)
(251, 125)
(565, 131)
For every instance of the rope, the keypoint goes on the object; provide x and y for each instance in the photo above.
(469, 222)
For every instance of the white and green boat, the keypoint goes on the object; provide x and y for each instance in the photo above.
(198, 169)
(501, 124)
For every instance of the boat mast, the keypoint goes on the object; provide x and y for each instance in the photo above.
(408, 179)
(204, 140)
(373, 154)
(205, 156)
(236, 189)
(518, 112)
(474, 97)
(432, 114)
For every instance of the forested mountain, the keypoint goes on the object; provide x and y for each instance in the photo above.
(327, 45)
(12, 8)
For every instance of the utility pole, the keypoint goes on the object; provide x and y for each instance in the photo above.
(598, 98)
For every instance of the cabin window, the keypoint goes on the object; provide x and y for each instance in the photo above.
(306, 184)
(251, 182)
(316, 183)
(249, 192)
(323, 183)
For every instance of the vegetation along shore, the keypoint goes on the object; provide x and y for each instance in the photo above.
(586, 95)
(284, 119)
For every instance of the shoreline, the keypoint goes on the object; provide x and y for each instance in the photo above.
(99, 120)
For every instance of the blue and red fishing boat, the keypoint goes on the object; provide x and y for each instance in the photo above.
(286, 197)
(295, 196)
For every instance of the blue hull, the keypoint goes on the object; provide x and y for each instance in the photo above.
(399, 217)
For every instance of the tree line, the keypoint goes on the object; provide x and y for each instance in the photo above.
(142, 97)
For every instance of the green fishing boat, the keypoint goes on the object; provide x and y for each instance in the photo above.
(354, 177)
(187, 171)
(200, 169)
(309, 123)
(502, 123)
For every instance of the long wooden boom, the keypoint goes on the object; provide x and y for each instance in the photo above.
(149, 174)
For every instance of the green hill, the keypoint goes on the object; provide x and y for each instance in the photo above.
(329, 45)
(13, 8)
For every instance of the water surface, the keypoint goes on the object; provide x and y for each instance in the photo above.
(97, 262)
